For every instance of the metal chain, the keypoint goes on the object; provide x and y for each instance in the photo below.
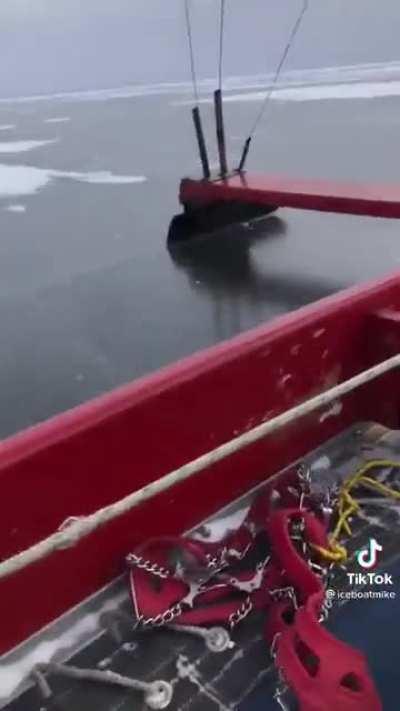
(249, 585)
(304, 477)
(280, 594)
(138, 561)
(169, 615)
(216, 564)
(325, 609)
(274, 644)
(280, 691)
(221, 559)
(166, 617)
(241, 613)
(254, 584)
(282, 687)
(218, 561)
(328, 575)
(163, 618)
(304, 472)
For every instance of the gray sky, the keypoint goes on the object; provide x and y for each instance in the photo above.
(63, 45)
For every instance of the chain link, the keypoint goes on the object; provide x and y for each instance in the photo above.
(304, 477)
(241, 613)
(216, 564)
(328, 575)
(282, 687)
(297, 535)
(254, 583)
(274, 644)
(163, 618)
(325, 609)
(279, 693)
(288, 593)
(221, 560)
(138, 561)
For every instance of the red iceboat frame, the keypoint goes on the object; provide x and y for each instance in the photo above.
(99, 452)
(273, 192)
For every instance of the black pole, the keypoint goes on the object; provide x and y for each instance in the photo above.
(219, 122)
(244, 154)
(201, 142)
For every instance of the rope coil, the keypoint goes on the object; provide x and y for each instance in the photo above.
(348, 505)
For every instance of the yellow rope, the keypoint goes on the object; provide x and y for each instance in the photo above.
(348, 505)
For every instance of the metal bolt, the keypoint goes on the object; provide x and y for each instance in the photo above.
(217, 639)
(159, 695)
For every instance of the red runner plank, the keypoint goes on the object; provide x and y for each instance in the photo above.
(324, 195)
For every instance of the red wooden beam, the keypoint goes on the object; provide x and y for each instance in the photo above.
(102, 450)
(275, 191)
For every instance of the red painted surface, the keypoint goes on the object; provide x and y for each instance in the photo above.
(101, 451)
(270, 190)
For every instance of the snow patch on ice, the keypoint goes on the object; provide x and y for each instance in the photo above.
(7, 127)
(102, 177)
(361, 90)
(22, 180)
(23, 146)
(57, 119)
(28, 180)
(318, 92)
(347, 81)
(15, 208)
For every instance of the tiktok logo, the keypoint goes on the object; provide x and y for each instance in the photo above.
(368, 556)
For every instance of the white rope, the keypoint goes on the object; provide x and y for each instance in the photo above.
(82, 527)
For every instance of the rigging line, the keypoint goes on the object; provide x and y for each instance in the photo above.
(221, 42)
(281, 64)
(277, 74)
(191, 53)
